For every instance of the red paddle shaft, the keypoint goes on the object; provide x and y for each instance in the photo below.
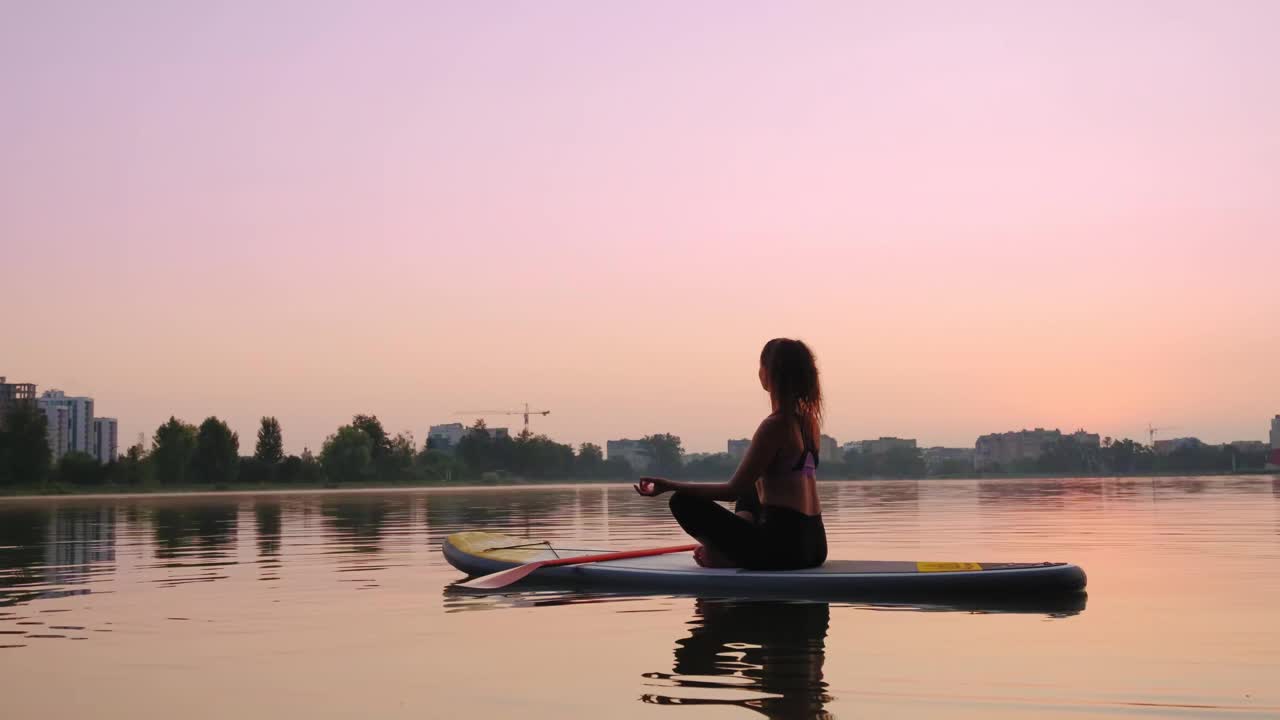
(620, 555)
(506, 577)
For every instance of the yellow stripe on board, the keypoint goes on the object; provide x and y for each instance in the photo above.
(946, 566)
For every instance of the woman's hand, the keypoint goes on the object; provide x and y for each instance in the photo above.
(652, 486)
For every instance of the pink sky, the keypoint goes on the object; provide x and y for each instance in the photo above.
(982, 216)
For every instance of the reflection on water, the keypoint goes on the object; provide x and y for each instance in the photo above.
(267, 519)
(768, 655)
(765, 656)
(531, 594)
(205, 530)
(357, 522)
(350, 591)
(23, 532)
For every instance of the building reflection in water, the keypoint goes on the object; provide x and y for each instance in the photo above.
(78, 540)
(42, 552)
(765, 656)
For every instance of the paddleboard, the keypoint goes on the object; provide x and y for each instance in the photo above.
(481, 553)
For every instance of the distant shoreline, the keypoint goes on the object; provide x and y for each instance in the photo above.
(94, 493)
(77, 493)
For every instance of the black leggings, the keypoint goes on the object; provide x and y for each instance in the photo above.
(781, 539)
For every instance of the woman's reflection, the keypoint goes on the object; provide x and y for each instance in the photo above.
(766, 656)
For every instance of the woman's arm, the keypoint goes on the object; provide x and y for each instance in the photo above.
(764, 446)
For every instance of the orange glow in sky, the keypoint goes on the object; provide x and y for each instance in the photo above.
(982, 216)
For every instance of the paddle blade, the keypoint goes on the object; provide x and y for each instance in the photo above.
(502, 578)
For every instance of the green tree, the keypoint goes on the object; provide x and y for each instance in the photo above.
(616, 468)
(1125, 456)
(80, 468)
(270, 448)
(381, 442)
(347, 455)
(397, 464)
(476, 448)
(855, 463)
(301, 469)
(172, 448)
(438, 466)
(902, 462)
(217, 454)
(130, 469)
(954, 467)
(540, 457)
(290, 469)
(25, 457)
(666, 453)
(719, 465)
(1198, 457)
(589, 462)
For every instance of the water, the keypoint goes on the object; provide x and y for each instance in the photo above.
(337, 605)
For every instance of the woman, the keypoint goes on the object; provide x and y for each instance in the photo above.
(778, 523)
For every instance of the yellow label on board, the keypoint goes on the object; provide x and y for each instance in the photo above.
(946, 566)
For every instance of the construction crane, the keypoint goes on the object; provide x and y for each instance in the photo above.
(526, 412)
(1151, 433)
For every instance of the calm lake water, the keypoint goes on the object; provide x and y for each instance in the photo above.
(338, 605)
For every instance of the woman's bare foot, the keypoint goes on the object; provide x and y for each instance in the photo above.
(708, 558)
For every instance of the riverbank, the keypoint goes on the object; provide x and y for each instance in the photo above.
(56, 490)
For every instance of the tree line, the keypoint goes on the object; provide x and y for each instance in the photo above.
(182, 454)
(1127, 457)
(1065, 456)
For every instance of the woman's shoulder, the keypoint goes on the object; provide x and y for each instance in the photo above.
(775, 424)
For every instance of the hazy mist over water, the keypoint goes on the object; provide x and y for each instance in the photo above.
(333, 604)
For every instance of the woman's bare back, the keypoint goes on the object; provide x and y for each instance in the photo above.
(790, 480)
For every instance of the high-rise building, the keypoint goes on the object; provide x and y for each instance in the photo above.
(738, 448)
(57, 429)
(852, 445)
(444, 437)
(1087, 439)
(14, 394)
(885, 444)
(1172, 445)
(447, 437)
(1273, 457)
(105, 442)
(637, 453)
(70, 422)
(828, 449)
(1002, 449)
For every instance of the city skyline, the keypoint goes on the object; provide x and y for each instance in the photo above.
(452, 431)
(982, 218)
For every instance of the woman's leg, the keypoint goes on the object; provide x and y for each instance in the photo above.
(717, 528)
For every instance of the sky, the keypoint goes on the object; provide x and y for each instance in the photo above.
(981, 216)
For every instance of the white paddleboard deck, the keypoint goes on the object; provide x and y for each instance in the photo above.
(481, 553)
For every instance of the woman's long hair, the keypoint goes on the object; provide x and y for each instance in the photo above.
(793, 384)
